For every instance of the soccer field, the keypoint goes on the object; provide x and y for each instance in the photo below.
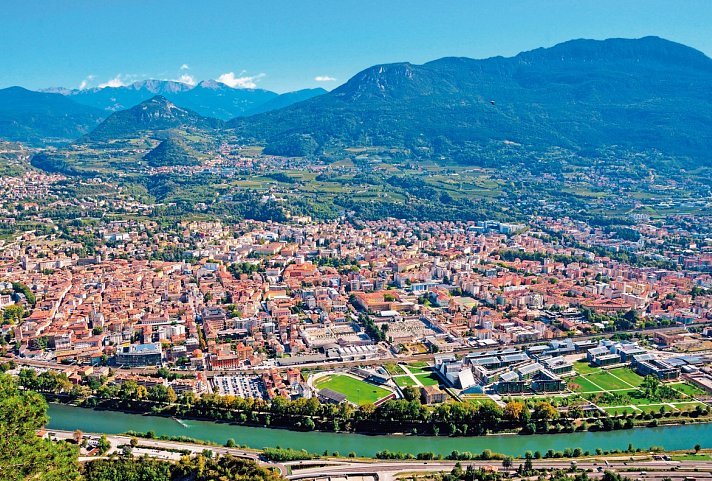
(356, 391)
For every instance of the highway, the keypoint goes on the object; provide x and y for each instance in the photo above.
(637, 467)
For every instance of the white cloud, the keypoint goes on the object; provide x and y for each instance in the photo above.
(186, 79)
(243, 81)
(185, 67)
(86, 82)
(324, 78)
(118, 81)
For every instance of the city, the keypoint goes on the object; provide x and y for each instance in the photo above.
(356, 241)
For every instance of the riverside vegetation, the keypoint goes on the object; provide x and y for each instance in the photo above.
(524, 416)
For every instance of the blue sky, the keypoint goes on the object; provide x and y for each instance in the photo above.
(285, 45)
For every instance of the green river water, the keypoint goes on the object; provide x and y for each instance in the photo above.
(109, 422)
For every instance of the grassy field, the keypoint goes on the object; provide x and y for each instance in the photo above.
(689, 406)
(688, 389)
(428, 379)
(356, 391)
(691, 457)
(418, 364)
(404, 381)
(583, 385)
(419, 370)
(627, 375)
(583, 368)
(607, 381)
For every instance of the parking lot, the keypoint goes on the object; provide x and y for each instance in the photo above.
(240, 386)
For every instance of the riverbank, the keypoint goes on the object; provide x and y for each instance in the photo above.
(674, 437)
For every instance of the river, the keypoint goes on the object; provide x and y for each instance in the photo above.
(670, 437)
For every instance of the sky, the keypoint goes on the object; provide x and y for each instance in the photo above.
(285, 45)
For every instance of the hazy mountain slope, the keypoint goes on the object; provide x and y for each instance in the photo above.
(286, 99)
(37, 117)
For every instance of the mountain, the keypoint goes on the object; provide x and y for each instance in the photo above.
(208, 98)
(120, 98)
(215, 99)
(153, 115)
(38, 117)
(171, 152)
(287, 99)
(583, 95)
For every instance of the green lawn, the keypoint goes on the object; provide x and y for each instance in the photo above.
(690, 457)
(638, 399)
(688, 406)
(584, 368)
(652, 408)
(607, 381)
(584, 385)
(627, 375)
(419, 369)
(428, 379)
(688, 389)
(356, 391)
(620, 410)
(404, 381)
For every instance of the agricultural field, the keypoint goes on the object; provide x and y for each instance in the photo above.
(355, 390)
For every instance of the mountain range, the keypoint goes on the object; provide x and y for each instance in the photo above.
(59, 115)
(646, 94)
(209, 97)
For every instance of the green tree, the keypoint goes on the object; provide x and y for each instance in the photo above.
(650, 386)
(104, 444)
(23, 455)
(13, 314)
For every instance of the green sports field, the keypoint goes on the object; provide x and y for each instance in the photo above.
(356, 391)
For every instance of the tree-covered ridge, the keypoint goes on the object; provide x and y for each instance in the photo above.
(171, 152)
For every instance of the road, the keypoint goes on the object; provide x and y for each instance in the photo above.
(640, 468)
(636, 467)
